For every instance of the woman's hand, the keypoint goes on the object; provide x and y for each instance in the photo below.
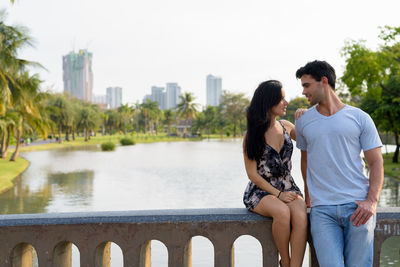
(299, 112)
(288, 196)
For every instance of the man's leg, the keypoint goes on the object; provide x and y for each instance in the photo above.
(358, 241)
(327, 236)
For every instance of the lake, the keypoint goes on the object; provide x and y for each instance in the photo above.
(177, 175)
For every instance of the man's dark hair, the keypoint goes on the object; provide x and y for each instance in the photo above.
(318, 69)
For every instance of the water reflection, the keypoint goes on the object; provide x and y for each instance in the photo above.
(20, 199)
(73, 186)
(390, 252)
(390, 193)
(76, 185)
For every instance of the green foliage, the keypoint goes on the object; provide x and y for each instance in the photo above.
(374, 76)
(108, 146)
(187, 109)
(127, 141)
(233, 109)
(293, 105)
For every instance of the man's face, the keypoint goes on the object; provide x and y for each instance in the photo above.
(312, 89)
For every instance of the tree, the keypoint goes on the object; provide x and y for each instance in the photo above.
(150, 113)
(88, 119)
(169, 118)
(234, 109)
(187, 109)
(25, 103)
(373, 76)
(125, 117)
(111, 120)
(293, 105)
(210, 119)
(12, 39)
(60, 111)
(7, 129)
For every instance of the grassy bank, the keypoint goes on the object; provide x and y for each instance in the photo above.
(391, 169)
(10, 170)
(97, 140)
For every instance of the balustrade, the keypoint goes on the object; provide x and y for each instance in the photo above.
(51, 236)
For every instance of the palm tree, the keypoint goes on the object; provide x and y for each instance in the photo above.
(168, 119)
(7, 129)
(18, 89)
(125, 116)
(12, 38)
(150, 114)
(25, 104)
(60, 111)
(111, 120)
(85, 121)
(187, 109)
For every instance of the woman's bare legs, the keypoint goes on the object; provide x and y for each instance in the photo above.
(270, 206)
(298, 236)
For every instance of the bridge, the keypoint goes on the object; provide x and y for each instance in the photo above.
(50, 236)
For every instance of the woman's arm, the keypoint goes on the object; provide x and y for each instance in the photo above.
(251, 170)
(290, 128)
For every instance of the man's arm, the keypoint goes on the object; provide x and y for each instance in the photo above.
(367, 208)
(303, 167)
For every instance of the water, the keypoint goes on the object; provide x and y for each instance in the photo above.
(180, 175)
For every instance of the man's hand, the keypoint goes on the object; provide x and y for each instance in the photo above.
(363, 212)
(299, 112)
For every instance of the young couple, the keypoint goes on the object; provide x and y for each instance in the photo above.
(331, 136)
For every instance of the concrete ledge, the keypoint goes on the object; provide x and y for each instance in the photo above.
(143, 216)
(51, 235)
(153, 216)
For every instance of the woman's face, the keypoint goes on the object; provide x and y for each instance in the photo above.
(280, 108)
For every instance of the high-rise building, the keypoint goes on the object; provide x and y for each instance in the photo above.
(158, 95)
(114, 97)
(172, 95)
(100, 100)
(78, 75)
(214, 90)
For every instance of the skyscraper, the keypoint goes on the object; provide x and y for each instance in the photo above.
(214, 90)
(158, 95)
(114, 97)
(172, 95)
(78, 75)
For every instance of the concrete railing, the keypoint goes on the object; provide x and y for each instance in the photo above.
(52, 236)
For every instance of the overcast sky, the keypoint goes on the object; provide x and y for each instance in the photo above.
(138, 44)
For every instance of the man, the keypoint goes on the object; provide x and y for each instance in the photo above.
(343, 200)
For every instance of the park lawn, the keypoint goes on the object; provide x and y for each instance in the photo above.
(98, 139)
(9, 170)
(391, 169)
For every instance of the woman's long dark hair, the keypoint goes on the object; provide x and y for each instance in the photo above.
(267, 95)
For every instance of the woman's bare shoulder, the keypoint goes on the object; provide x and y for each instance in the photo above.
(288, 125)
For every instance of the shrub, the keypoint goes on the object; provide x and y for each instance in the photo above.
(127, 141)
(107, 146)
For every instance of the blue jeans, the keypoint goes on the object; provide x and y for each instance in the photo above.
(337, 241)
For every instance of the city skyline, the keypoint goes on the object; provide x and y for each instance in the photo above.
(136, 45)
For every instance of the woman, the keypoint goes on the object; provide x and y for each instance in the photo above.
(272, 191)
